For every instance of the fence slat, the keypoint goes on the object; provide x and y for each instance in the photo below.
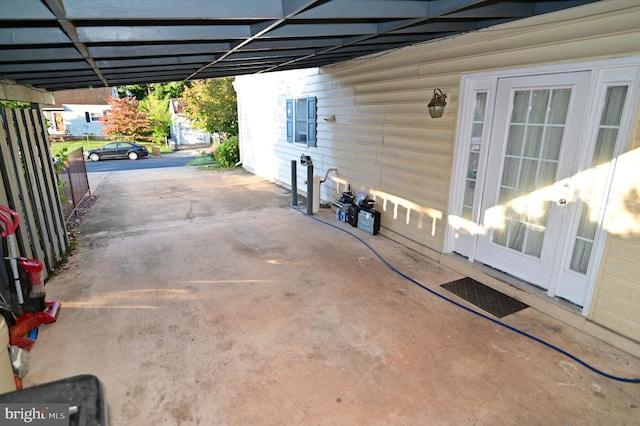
(56, 230)
(30, 160)
(29, 186)
(18, 201)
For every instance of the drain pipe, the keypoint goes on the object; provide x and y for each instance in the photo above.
(316, 187)
(326, 175)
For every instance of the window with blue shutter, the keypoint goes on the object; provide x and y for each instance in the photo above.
(289, 120)
(311, 121)
(301, 120)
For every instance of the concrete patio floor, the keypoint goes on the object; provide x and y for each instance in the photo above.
(202, 298)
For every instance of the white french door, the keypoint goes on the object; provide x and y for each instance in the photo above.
(532, 173)
(535, 137)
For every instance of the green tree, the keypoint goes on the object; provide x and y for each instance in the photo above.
(14, 104)
(156, 107)
(170, 90)
(138, 91)
(125, 119)
(212, 105)
(160, 90)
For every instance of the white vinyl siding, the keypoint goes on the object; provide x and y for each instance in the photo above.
(382, 139)
(616, 303)
(617, 299)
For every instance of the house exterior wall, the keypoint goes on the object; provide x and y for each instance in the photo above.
(183, 134)
(617, 297)
(181, 130)
(382, 140)
(75, 119)
(72, 106)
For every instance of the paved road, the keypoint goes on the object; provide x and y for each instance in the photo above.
(171, 160)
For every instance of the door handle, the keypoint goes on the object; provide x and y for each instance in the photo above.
(562, 201)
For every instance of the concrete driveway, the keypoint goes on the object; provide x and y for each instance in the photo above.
(202, 298)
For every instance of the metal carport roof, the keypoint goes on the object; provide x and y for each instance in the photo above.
(67, 44)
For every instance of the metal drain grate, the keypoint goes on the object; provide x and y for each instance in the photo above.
(486, 298)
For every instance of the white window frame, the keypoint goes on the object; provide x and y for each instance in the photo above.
(301, 120)
(95, 116)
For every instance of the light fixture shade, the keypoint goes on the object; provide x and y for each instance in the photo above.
(436, 106)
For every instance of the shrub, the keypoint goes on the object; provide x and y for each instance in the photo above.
(228, 153)
(158, 135)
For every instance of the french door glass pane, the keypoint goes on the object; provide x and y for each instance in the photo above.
(516, 139)
(559, 106)
(517, 235)
(300, 112)
(479, 111)
(467, 213)
(533, 142)
(552, 142)
(530, 164)
(474, 156)
(510, 173)
(606, 142)
(580, 255)
(538, 108)
(527, 181)
(468, 193)
(588, 222)
(593, 198)
(547, 173)
(612, 112)
(500, 234)
(520, 107)
(534, 241)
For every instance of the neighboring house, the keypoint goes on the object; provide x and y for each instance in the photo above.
(182, 130)
(529, 182)
(77, 112)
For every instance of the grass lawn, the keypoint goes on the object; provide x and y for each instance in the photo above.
(58, 147)
(206, 162)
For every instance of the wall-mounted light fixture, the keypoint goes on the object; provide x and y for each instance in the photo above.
(436, 106)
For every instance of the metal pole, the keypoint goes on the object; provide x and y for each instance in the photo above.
(310, 189)
(294, 183)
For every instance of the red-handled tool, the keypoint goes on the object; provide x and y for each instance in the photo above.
(35, 310)
(11, 222)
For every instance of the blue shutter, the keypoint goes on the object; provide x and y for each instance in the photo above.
(289, 120)
(311, 121)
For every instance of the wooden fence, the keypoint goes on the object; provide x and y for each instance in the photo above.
(28, 186)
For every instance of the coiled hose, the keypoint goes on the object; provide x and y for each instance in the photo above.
(473, 311)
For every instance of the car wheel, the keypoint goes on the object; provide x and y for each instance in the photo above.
(133, 156)
(94, 157)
